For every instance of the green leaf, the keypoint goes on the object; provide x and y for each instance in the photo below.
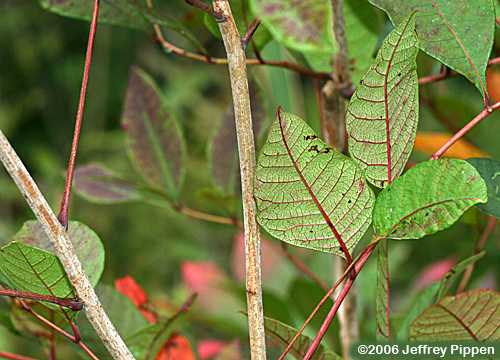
(155, 142)
(363, 25)
(281, 334)
(382, 115)
(432, 293)
(88, 246)
(305, 25)
(489, 169)
(98, 184)
(30, 269)
(423, 300)
(123, 314)
(428, 198)
(308, 194)
(459, 33)
(383, 292)
(472, 315)
(126, 13)
(447, 281)
(147, 342)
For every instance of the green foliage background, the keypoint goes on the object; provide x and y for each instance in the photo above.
(41, 58)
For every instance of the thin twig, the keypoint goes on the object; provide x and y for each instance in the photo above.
(64, 209)
(50, 324)
(64, 250)
(479, 117)
(252, 28)
(343, 293)
(72, 304)
(11, 356)
(361, 258)
(246, 152)
(200, 215)
(171, 48)
(446, 73)
(204, 7)
(488, 230)
(303, 268)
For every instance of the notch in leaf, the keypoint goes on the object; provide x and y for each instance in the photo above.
(428, 198)
(155, 141)
(382, 115)
(309, 194)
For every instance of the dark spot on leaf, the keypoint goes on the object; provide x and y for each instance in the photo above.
(314, 148)
(310, 137)
(349, 201)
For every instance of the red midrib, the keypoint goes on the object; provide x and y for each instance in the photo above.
(386, 103)
(313, 196)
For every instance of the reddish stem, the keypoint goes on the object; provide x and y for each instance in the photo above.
(63, 213)
(7, 355)
(252, 28)
(333, 311)
(325, 297)
(72, 304)
(479, 117)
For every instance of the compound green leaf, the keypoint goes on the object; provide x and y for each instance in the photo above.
(281, 334)
(382, 115)
(383, 292)
(308, 194)
(459, 33)
(88, 246)
(155, 141)
(472, 315)
(31, 269)
(490, 171)
(127, 13)
(98, 184)
(428, 198)
(304, 25)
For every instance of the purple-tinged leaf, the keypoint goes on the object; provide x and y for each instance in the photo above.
(303, 25)
(223, 151)
(382, 115)
(459, 33)
(472, 315)
(98, 184)
(156, 145)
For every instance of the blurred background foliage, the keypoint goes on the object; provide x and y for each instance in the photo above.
(169, 254)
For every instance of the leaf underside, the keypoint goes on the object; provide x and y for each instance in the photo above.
(473, 315)
(98, 184)
(383, 291)
(459, 33)
(490, 171)
(382, 115)
(30, 269)
(428, 198)
(308, 194)
(303, 25)
(155, 141)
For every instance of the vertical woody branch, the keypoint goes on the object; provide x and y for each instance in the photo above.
(246, 150)
(333, 127)
(64, 251)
